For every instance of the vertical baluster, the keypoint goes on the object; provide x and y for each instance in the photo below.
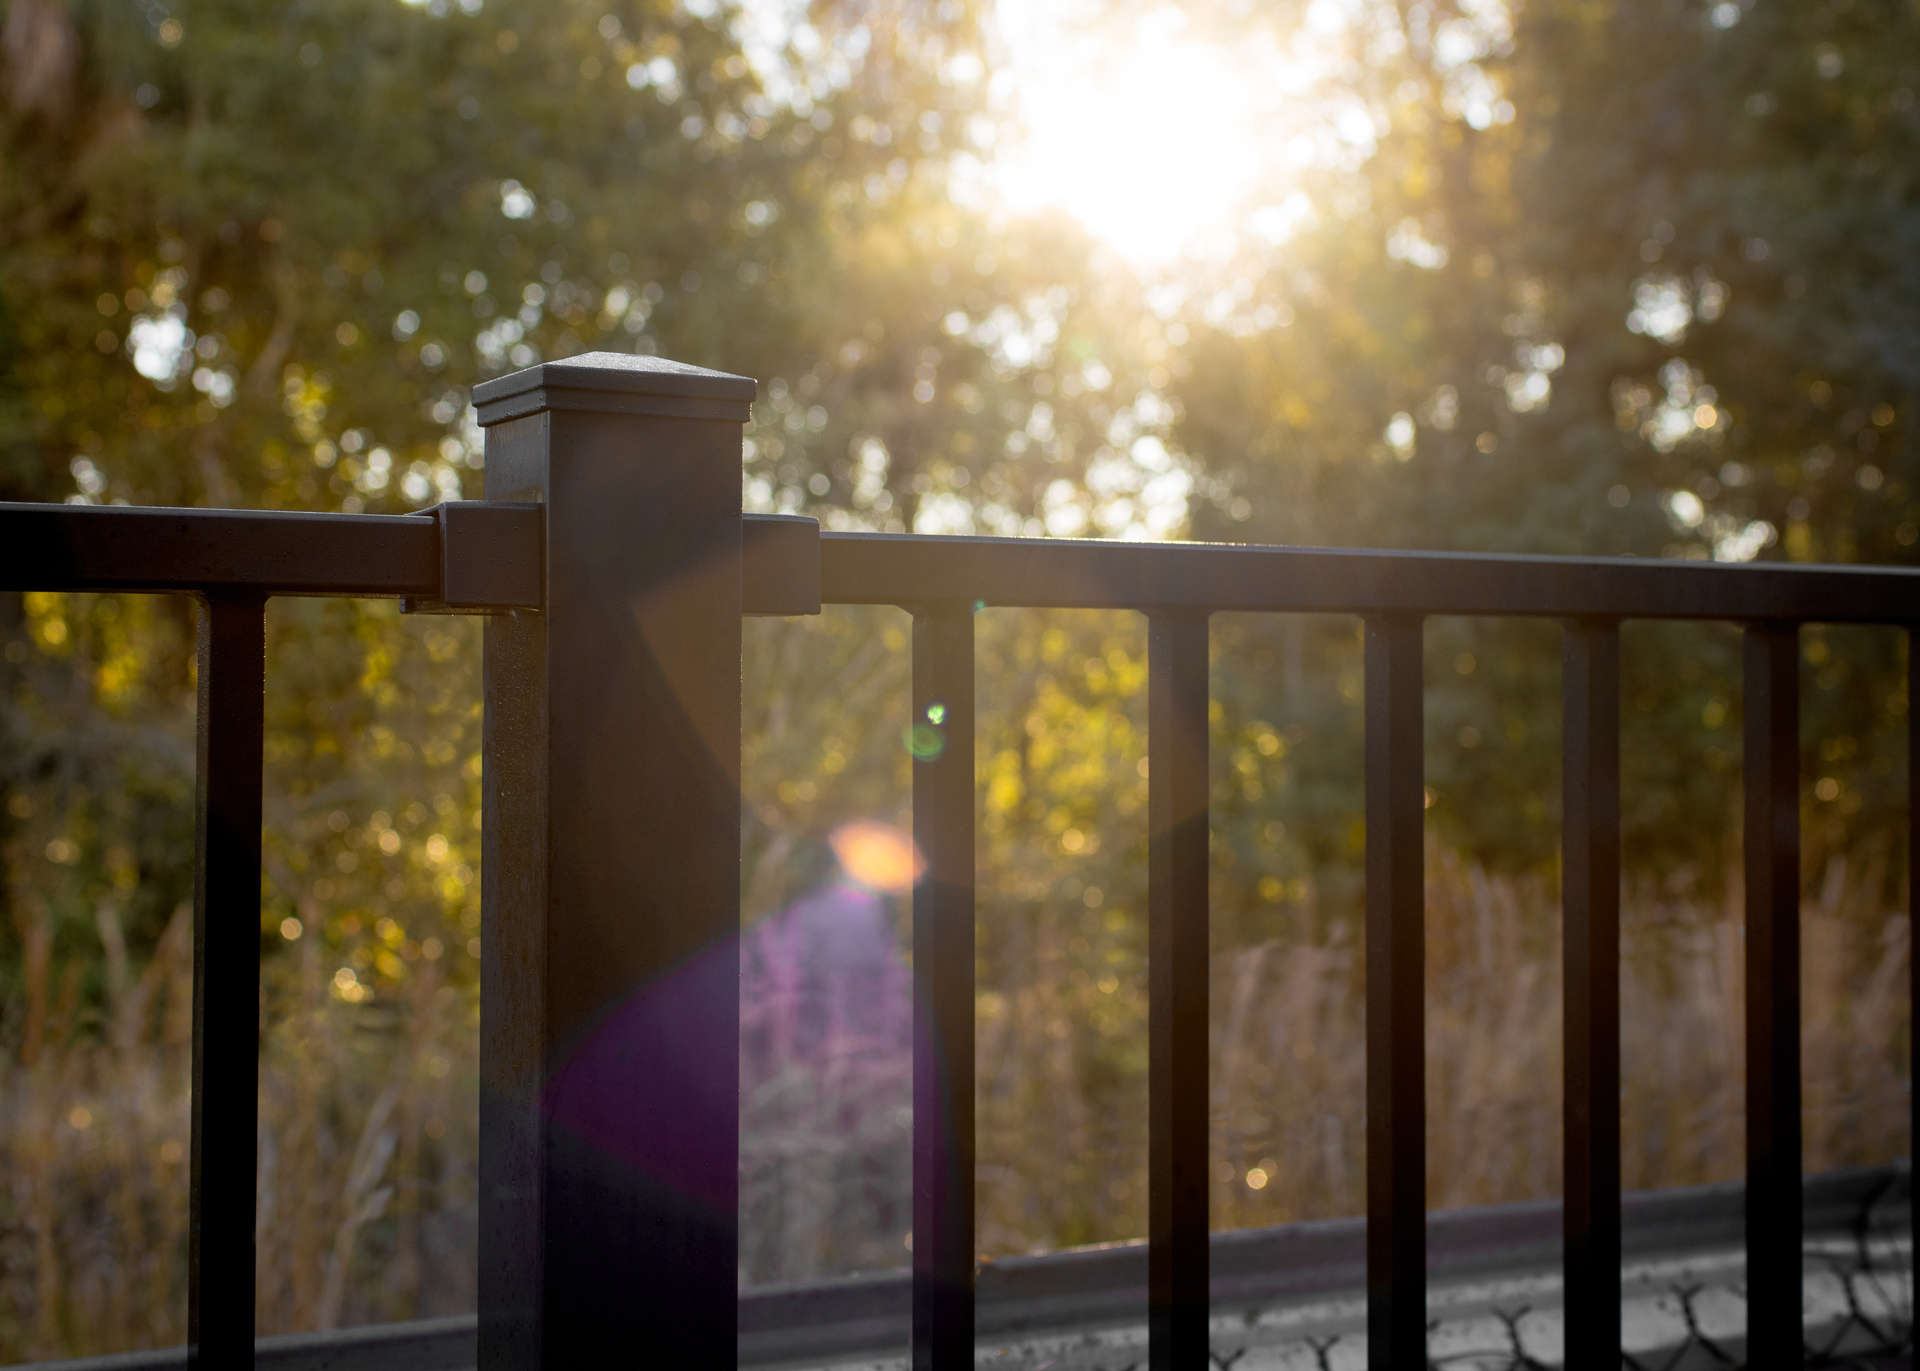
(1177, 1098)
(226, 982)
(1772, 855)
(943, 954)
(1913, 894)
(1590, 900)
(1396, 996)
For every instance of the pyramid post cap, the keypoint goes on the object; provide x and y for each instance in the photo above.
(616, 382)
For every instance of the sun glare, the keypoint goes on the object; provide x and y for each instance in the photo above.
(1157, 144)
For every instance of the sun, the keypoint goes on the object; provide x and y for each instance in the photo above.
(1159, 144)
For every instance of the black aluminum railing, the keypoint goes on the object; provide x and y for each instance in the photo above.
(460, 557)
(1177, 586)
(610, 1027)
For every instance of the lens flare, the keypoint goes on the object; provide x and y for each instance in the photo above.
(877, 856)
(924, 741)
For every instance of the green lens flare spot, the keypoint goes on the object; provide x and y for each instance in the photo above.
(925, 742)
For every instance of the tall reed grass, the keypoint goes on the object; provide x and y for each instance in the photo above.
(1289, 1065)
(368, 1111)
(364, 1188)
(825, 1169)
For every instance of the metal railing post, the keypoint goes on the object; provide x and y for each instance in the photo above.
(1590, 971)
(1771, 765)
(610, 917)
(1396, 997)
(1913, 896)
(943, 953)
(1177, 972)
(226, 981)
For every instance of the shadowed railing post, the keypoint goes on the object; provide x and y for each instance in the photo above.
(941, 733)
(1177, 911)
(1772, 858)
(611, 900)
(1396, 998)
(226, 980)
(1590, 903)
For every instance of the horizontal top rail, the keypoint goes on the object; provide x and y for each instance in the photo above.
(907, 569)
(463, 555)
(488, 555)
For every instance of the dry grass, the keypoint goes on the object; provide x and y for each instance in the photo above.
(1289, 1064)
(368, 1112)
(365, 1182)
(1061, 1095)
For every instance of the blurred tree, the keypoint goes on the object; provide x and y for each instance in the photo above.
(257, 260)
(1635, 279)
(286, 248)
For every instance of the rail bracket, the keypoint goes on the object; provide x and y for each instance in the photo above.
(780, 565)
(491, 558)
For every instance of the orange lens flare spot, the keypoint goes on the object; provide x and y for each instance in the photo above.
(877, 856)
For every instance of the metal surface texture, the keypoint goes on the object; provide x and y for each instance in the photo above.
(1771, 767)
(226, 981)
(1590, 901)
(941, 735)
(903, 569)
(1177, 972)
(610, 964)
(514, 844)
(1396, 997)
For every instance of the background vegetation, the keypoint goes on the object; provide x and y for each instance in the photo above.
(1634, 278)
